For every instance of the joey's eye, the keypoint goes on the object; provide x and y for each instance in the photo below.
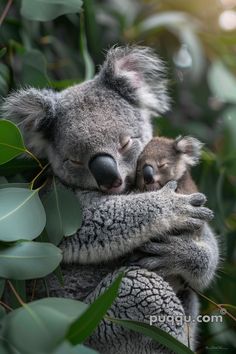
(163, 165)
(125, 144)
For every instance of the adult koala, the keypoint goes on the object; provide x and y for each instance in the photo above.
(92, 134)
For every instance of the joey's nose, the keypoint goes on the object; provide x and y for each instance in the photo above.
(148, 174)
(104, 170)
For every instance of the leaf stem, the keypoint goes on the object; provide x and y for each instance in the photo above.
(33, 290)
(34, 157)
(219, 306)
(6, 306)
(16, 293)
(33, 180)
(5, 11)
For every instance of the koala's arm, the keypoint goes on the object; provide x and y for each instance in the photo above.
(195, 260)
(114, 225)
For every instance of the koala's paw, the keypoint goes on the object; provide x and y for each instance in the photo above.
(183, 212)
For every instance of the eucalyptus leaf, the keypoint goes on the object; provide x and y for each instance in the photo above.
(63, 212)
(88, 321)
(40, 326)
(67, 348)
(13, 185)
(29, 260)
(22, 215)
(3, 52)
(89, 65)
(155, 333)
(222, 82)
(11, 141)
(3, 181)
(47, 10)
(34, 71)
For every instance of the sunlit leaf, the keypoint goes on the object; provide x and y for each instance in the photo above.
(11, 142)
(155, 333)
(222, 82)
(88, 321)
(22, 215)
(40, 326)
(184, 27)
(63, 212)
(28, 260)
(47, 10)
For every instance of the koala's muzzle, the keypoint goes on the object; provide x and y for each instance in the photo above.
(104, 170)
(148, 174)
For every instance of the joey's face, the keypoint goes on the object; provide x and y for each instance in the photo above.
(97, 142)
(158, 164)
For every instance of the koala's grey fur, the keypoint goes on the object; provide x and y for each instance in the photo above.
(91, 118)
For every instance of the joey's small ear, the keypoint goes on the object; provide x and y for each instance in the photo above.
(34, 112)
(137, 74)
(190, 148)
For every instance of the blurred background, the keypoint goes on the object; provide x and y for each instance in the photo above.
(57, 43)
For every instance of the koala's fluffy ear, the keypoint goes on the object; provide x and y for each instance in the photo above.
(190, 148)
(137, 74)
(34, 112)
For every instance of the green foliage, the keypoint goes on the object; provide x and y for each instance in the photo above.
(11, 142)
(28, 260)
(34, 50)
(155, 333)
(47, 10)
(22, 215)
(81, 328)
(63, 211)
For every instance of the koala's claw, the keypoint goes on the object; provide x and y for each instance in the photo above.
(202, 213)
(197, 199)
(171, 185)
(192, 224)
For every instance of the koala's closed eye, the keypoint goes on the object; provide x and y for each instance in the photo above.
(76, 162)
(125, 144)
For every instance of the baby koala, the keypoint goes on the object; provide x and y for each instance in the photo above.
(161, 161)
(164, 159)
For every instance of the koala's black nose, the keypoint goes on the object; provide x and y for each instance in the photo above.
(148, 174)
(104, 170)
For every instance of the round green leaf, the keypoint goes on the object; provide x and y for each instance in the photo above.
(11, 141)
(63, 212)
(41, 325)
(29, 260)
(47, 10)
(67, 348)
(22, 215)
